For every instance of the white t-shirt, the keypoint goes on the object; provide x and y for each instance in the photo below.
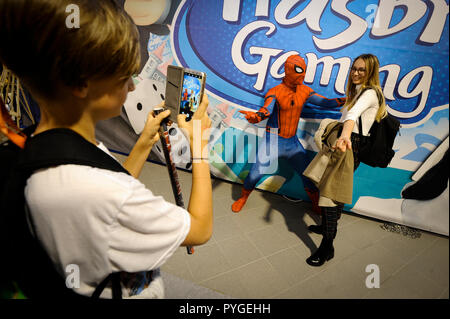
(103, 221)
(366, 106)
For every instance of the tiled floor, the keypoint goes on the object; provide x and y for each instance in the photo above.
(261, 251)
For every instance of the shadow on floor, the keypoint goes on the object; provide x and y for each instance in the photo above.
(292, 211)
(294, 216)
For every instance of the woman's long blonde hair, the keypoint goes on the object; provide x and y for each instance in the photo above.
(370, 80)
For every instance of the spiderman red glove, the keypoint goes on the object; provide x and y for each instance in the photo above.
(252, 117)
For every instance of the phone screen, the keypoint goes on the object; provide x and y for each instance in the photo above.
(190, 94)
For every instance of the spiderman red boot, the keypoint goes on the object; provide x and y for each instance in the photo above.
(237, 205)
(283, 105)
(313, 195)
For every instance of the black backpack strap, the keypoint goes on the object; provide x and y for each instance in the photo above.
(116, 288)
(64, 146)
(379, 102)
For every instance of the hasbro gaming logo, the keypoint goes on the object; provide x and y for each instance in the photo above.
(243, 44)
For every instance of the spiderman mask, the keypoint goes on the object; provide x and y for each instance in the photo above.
(294, 68)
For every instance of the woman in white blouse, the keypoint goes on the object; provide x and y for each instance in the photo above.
(365, 101)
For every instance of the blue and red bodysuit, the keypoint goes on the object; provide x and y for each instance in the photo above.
(283, 106)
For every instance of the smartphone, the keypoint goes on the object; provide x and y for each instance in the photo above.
(184, 91)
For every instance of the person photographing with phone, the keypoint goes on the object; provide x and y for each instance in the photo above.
(104, 221)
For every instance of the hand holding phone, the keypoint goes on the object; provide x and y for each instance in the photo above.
(184, 91)
(155, 119)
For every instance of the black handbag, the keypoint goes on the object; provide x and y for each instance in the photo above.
(376, 149)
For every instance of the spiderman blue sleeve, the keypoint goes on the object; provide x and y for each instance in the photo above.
(320, 100)
(267, 109)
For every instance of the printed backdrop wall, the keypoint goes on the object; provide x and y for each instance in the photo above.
(242, 44)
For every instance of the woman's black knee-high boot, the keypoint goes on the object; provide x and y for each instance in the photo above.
(325, 251)
(318, 229)
(340, 208)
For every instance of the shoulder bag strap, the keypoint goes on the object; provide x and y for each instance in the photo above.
(360, 126)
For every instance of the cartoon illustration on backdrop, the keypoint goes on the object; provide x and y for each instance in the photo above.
(150, 17)
(147, 12)
(149, 92)
(150, 86)
(282, 107)
(424, 200)
(243, 44)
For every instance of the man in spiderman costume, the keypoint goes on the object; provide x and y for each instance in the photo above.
(283, 105)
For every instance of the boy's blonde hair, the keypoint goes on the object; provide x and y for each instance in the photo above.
(371, 80)
(45, 53)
